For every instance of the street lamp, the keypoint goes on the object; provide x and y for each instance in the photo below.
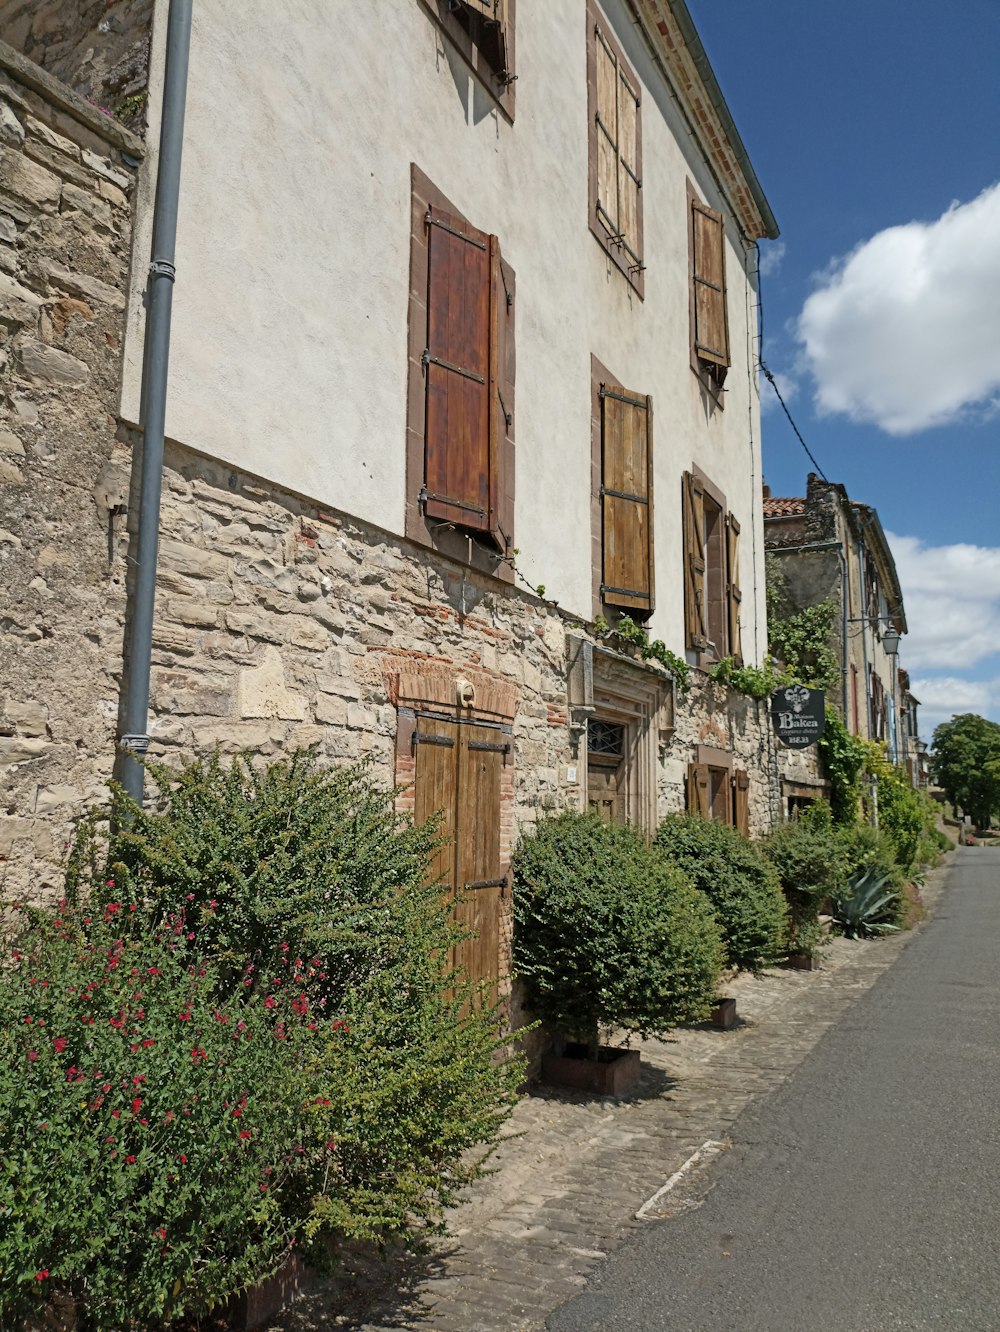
(890, 635)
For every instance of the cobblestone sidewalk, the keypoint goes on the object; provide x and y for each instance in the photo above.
(575, 1169)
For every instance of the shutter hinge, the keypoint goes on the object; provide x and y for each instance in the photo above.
(427, 359)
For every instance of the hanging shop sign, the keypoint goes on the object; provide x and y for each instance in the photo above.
(798, 715)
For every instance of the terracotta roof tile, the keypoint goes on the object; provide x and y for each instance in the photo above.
(774, 507)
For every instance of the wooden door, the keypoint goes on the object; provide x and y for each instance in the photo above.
(458, 770)
(606, 770)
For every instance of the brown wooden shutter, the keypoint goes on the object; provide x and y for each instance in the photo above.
(695, 611)
(734, 596)
(607, 134)
(627, 499)
(711, 331)
(502, 367)
(628, 169)
(435, 792)
(741, 802)
(480, 880)
(698, 794)
(457, 439)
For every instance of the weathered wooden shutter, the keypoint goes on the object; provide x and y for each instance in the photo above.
(607, 134)
(628, 169)
(734, 596)
(698, 795)
(457, 360)
(480, 881)
(435, 792)
(741, 802)
(627, 498)
(711, 331)
(502, 367)
(695, 610)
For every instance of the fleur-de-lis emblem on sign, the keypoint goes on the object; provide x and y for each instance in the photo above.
(797, 696)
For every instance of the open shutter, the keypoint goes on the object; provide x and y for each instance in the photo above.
(457, 360)
(711, 332)
(482, 754)
(502, 365)
(741, 802)
(607, 134)
(627, 499)
(628, 168)
(695, 612)
(698, 794)
(734, 596)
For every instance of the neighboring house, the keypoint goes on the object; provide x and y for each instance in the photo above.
(914, 752)
(462, 367)
(826, 545)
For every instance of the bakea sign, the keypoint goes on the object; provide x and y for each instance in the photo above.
(798, 715)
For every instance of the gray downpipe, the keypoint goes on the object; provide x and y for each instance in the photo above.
(134, 740)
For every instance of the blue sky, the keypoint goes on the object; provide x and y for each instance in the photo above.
(873, 125)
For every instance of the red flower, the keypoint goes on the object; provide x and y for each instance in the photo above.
(116, 1114)
(59, 1044)
(182, 1158)
(148, 1044)
(184, 1015)
(246, 1133)
(42, 1275)
(32, 1055)
(137, 1105)
(130, 1160)
(270, 1001)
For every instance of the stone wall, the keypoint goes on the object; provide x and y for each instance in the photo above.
(65, 233)
(98, 48)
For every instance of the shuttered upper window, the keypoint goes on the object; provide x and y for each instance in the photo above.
(483, 31)
(615, 151)
(712, 596)
(716, 792)
(461, 400)
(709, 324)
(626, 499)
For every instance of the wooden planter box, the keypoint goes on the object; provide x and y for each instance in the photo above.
(615, 1071)
(724, 1013)
(261, 1303)
(802, 962)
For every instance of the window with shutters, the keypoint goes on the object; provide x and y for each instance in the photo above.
(460, 439)
(483, 32)
(623, 495)
(716, 791)
(708, 317)
(458, 771)
(712, 596)
(615, 151)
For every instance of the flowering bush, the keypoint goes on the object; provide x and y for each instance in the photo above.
(244, 1036)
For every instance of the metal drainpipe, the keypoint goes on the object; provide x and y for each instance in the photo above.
(134, 740)
(839, 548)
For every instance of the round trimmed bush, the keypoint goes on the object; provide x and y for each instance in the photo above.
(607, 933)
(808, 855)
(738, 881)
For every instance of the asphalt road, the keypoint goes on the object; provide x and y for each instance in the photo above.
(865, 1193)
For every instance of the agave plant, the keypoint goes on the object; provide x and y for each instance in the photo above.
(865, 908)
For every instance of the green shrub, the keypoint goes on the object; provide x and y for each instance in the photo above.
(808, 857)
(868, 905)
(253, 877)
(739, 882)
(843, 759)
(901, 809)
(866, 848)
(607, 934)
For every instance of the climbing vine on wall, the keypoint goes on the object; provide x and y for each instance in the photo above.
(801, 639)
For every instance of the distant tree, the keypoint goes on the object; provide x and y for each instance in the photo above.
(966, 765)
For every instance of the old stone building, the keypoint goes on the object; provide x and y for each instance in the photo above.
(462, 372)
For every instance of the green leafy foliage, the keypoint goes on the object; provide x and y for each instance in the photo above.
(291, 888)
(758, 682)
(868, 906)
(901, 810)
(966, 765)
(736, 878)
(801, 637)
(627, 630)
(809, 858)
(607, 933)
(843, 757)
(866, 848)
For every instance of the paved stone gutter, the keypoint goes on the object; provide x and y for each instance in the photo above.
(574, 1171)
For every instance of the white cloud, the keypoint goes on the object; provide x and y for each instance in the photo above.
(770, 258)
(952, 599)
(942, 696)
(905, 331)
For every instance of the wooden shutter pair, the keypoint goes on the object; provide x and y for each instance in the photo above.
(457, 777)
(493, 32)
(711, 328)
(699, 796)
(696, 557)
(618, 182)
(469, 359)
(627, 499)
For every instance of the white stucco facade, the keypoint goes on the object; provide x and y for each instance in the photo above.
(289, 347)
